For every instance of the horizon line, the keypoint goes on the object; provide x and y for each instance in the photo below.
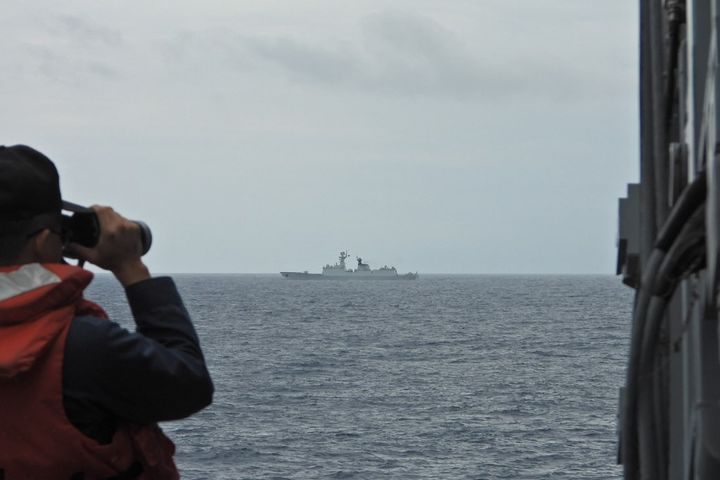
(604, 274)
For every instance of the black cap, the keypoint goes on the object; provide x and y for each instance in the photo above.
(29, 184)
(29, 190)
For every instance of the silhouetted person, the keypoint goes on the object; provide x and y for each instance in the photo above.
(79, 395)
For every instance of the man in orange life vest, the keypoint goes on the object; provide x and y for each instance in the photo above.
(79, 395)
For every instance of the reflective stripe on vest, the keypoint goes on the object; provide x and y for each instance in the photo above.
(25, 279)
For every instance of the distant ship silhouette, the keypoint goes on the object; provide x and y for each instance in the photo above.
(340, 272)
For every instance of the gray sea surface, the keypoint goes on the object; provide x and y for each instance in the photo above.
(446, 377)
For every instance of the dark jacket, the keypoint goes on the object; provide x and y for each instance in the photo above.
(154, 374)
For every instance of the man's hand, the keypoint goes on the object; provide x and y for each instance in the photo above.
(118, 250)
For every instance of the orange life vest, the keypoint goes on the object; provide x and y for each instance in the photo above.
(37, 441)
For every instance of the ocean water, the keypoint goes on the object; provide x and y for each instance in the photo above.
(447, 377)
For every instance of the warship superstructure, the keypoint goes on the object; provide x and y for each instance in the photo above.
(339, 271)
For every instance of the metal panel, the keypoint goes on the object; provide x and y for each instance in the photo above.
(710, 137)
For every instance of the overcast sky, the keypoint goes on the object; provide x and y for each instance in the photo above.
(454, 136)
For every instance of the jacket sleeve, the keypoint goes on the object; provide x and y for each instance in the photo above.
(156, 373)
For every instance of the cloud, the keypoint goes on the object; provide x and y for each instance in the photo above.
(302, 61)
(397, 53)
(404, 53)
(66, 49)
(410, 53)
(79, 30)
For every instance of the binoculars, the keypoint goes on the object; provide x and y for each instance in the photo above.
(83, 227)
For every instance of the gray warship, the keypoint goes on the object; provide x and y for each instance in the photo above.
(339, 271)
